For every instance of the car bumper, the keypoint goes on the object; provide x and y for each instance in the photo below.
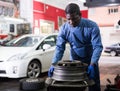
(12, 69)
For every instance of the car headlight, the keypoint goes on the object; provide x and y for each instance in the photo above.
(17, 57)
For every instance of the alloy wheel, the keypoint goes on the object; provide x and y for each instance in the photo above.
(34, 70)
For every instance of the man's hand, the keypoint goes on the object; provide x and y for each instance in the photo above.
(91, 71)
(50, 71)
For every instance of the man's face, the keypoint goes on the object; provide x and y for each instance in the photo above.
(73, 19)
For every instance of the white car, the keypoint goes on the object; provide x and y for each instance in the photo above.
(28, 56)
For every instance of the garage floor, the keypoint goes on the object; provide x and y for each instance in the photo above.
(106, 71)
(7, 84)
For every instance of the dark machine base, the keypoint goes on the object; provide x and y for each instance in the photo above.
(52, 88)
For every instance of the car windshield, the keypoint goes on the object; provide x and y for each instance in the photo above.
(27, 41)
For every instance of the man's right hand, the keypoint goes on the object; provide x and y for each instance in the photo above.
(91, 72)
(50, 71)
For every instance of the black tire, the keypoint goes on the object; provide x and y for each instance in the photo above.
(34, 69)
(30, 84)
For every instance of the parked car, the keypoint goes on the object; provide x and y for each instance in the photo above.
(113, 50)
(7, 39)
(28, 55)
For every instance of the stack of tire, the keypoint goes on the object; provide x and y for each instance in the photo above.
(69, 76)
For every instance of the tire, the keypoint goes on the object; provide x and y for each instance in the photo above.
(34, 69)
(30, 84)
(113, 53)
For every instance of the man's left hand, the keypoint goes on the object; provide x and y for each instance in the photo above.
(50, 71)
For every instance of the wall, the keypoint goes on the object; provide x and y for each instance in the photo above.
(48, 12)
(9, 8)
(102, 17)
(106, 22)
(26, 10)
(9, 12)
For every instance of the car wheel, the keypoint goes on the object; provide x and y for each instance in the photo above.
(34, 69)
(30, 84)
(113, 53)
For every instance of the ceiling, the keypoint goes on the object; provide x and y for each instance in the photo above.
(62, 3)
(84, 4)
(99, 3)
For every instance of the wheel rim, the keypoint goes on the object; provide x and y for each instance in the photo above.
(33, 70)
(67, 70)
(113, 53)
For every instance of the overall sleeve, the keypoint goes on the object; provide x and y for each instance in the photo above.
(97, 45)
(60, 46)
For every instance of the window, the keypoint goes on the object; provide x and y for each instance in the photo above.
(61, 20)
(12, 29)
(51, 40)
(46, 26)
(113, 10)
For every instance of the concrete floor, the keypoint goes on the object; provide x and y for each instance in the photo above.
(13, 85)
(106, 71)
(7, 84)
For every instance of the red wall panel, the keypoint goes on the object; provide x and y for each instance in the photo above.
(38, 6)
(84, 13)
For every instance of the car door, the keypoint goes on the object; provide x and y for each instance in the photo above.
(47, 53)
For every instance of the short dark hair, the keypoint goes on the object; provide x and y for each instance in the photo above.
(72, 8)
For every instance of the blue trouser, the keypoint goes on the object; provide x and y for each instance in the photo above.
(95, 87)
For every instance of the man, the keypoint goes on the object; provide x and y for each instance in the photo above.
(84, 38)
